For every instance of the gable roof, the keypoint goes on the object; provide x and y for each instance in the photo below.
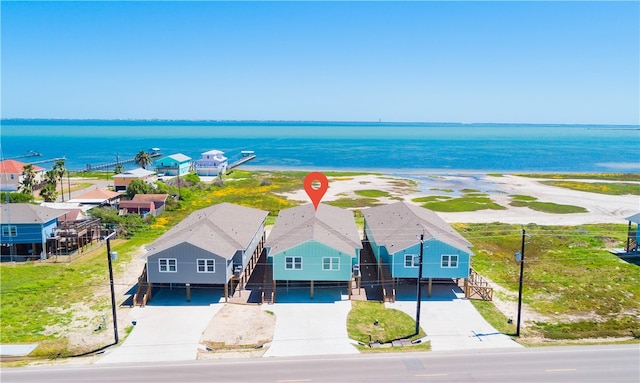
(176, 157)
(330, 225)
(634, 218)
(221, 229)
(15, 167)
(24, 213)
(400, 225)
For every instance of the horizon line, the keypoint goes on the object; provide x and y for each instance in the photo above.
(306, 121)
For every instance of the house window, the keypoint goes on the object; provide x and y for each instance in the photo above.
(206, 266)
(330, 263)
(293, 263)
(449, 261)
(411, 260)
(168, 265)
(9, 231)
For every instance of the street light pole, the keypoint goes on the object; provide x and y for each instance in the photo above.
(520, 284)
(419, 299)
(113, 295)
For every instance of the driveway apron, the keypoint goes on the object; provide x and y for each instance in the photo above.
(169, 329)
(450, 320)
(310, 326)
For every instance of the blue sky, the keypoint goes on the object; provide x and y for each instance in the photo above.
(529, 62)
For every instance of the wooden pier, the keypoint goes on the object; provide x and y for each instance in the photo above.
(247, 155)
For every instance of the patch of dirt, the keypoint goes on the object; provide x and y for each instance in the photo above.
(239, 326)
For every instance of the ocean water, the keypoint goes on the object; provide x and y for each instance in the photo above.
(396, 148)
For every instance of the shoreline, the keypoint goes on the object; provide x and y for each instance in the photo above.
(601, 208)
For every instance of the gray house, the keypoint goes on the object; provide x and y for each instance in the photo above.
(212, 246)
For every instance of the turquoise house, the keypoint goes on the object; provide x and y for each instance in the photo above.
(174, 165)
(394, 232)
(314, 245)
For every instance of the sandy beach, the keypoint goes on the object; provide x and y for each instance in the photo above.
(601, 208)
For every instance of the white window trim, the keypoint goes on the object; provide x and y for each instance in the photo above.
(10, 231)
(333, 261)
(446, 261)
(293, 262)
(207, 263)
(166, 265)
(415, 261)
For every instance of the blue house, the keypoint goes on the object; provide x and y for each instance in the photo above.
(394, 232)
(26, 230)
(174, 165)
(308, 245)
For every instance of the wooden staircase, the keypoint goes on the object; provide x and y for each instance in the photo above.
(268, 285)
(388, 286)
(475, 287)
(143, 293)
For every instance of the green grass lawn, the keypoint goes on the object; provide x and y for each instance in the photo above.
(371, 321)
(570, 277)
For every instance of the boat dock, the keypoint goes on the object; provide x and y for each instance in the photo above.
(247, 155)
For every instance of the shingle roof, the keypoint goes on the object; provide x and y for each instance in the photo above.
(634, 218)
(15, 167)
(222, 229)
(401, 224)
(330, 225)
(27, 213)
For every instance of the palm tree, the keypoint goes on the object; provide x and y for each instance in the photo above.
(49, 192)
(28, 179)
(143, 159)
(59, 168)
(118, 169)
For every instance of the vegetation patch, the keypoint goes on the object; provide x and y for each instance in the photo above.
(442, 190)
(546, 207)
(348, 203)
(373, 322)
(465, 203)
(372, 193)
(609, 188)
(635, 177)
(495, 317)
(569, 275)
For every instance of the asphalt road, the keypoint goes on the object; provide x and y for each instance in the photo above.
(610, 364)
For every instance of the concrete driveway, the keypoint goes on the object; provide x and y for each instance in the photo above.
(168, 328)
(307, 326)
(449, 319)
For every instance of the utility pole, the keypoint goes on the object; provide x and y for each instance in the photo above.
(113, 294)
(419, 288)
(521, 253)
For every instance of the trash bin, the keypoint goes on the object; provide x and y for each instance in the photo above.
(114, 255)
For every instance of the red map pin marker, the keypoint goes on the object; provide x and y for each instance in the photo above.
(316, 192)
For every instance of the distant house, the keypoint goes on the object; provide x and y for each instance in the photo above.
(314, 245)
(144, 204)
(97, 197)
(11, 175)
(633, 234)
(26, 230)
(211, 246)
(393, 231)
(174, 165)
(121, 181)
(212, 163)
